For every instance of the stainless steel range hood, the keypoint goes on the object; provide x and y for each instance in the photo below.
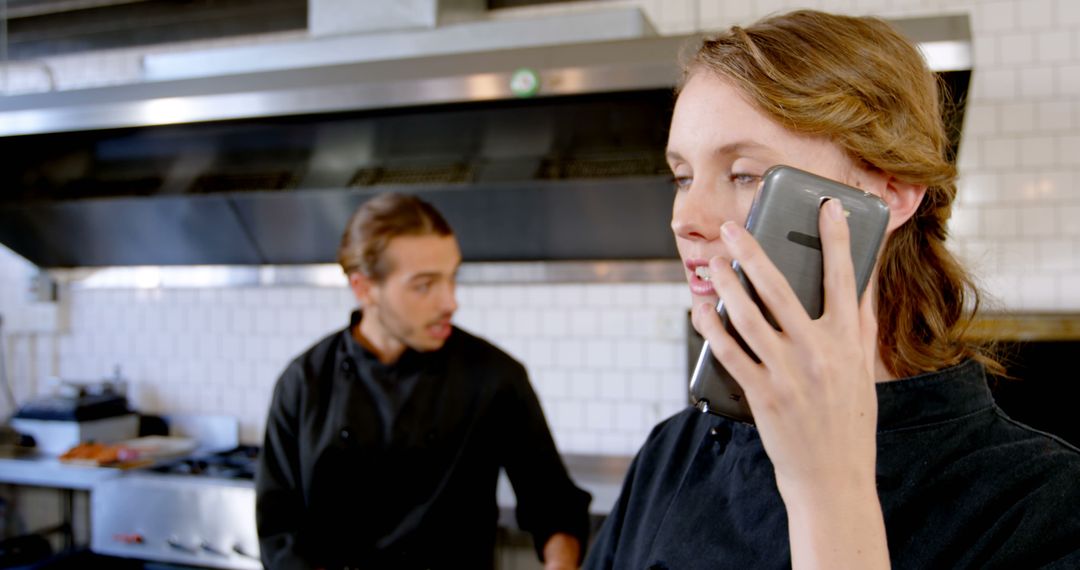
(264, 168)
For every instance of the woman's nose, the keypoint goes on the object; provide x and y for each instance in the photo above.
(696, 215)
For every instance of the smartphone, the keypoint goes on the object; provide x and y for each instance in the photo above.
(784, 220)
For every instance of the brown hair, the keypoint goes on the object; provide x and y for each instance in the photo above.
(379, 220)
(859, 83)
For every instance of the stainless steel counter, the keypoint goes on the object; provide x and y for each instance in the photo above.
(68, 480)
(602, 476)
(48, 471)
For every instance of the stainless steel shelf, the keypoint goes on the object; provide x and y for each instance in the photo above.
(330, 275)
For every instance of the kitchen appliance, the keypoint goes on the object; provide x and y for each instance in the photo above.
(195, 511)
(532, 151)
(86, 412)
(15, 444)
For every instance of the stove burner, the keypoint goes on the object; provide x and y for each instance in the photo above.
(238, 463)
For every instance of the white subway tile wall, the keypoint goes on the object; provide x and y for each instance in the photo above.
(607, 361)
(605, 372)
(28, 332)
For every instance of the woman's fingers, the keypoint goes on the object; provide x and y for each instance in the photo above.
(742, 311)
(868, 324)
(841, 302)
(802, 338)
(769, 283)
(724, 346)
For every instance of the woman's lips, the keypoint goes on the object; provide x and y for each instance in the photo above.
(699, 286)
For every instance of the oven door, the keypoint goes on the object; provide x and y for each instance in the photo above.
(194, 521)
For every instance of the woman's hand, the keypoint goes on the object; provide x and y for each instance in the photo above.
(812, 395)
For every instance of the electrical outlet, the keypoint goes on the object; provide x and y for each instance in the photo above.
(43, 288)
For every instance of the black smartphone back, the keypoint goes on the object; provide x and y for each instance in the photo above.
(784, 220)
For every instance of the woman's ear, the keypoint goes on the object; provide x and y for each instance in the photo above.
(903, 200)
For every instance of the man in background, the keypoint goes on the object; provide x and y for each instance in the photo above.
(384, 440)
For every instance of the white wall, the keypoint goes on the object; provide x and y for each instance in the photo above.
(27, 335)
(607, 360)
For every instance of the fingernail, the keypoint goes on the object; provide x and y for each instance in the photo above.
(730, 231)
(835, 209)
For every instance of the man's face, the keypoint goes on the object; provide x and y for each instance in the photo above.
(415, 301)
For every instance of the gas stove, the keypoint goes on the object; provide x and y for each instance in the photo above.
(196, 511)
(238, 463)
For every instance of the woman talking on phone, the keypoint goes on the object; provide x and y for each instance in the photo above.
(876, 440)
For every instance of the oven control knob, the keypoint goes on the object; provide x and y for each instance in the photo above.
(175, 544)
(207, 547)
(239, 549)
(128, 538)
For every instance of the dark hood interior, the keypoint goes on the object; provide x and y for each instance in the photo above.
(578, 177)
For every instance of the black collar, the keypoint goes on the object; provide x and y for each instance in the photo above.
(409, 362)
(933, 397)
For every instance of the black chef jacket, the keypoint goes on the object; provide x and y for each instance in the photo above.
(334, 490)
(961, 486)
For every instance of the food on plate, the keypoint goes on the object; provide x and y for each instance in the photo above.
(97, 453)
(131, 453)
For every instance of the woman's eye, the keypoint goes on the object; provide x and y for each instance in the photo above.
(681, 182)
(742, 179)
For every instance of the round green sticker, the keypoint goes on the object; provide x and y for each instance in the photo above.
(524, 82)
